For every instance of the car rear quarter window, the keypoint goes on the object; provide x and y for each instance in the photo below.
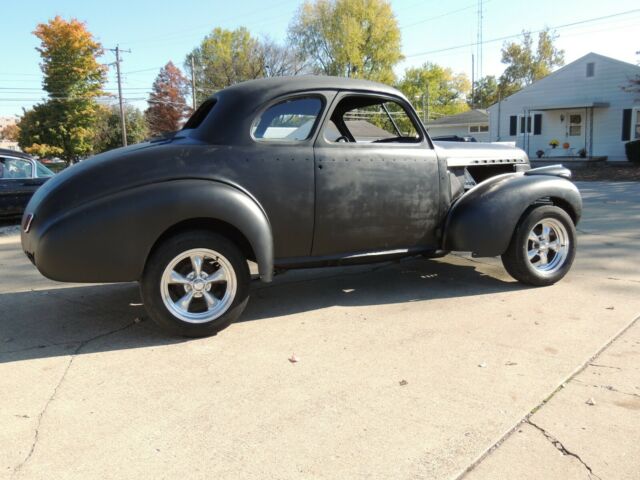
(14, 168)
(289, 120)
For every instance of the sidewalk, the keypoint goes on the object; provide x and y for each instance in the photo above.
(588, 429)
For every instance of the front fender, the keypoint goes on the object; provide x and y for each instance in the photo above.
(109, 239)
(483, 220)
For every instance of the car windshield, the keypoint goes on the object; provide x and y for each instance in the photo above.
(43, 171)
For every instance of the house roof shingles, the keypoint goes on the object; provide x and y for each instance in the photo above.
(476, 116)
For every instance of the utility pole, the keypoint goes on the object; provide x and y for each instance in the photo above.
(473, 82)
(425, 106)
(193, 83)
(123, 124)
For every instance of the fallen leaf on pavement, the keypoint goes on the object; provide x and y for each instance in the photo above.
(293, 358)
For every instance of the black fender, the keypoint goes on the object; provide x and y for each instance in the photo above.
(483, 220)
(110, 238)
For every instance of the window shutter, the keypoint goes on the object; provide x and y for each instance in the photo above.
(626, 124)
(528, 124)
(522, 124)
(513, 125)
(537, 124)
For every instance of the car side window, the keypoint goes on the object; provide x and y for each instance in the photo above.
(43, 171)
(290, 120)
(368, 119)
(15, 168)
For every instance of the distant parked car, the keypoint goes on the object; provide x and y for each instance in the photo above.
(453, 138)
(20, 176)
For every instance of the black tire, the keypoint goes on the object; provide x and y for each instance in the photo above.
(516, 260)
(151, 284)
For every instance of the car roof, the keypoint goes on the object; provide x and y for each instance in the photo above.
(275, 86)
(5, 152)
(236, 106)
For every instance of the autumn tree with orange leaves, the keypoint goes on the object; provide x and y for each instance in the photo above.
(65, 123)
(167, 105)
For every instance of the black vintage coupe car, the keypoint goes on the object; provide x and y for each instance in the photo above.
(20, 176)
(290, 173)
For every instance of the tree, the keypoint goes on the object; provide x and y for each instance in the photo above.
(447, 92)
(524, 66)
(349, 38)
(633, 84)
(281, 60)
(73, 79)
(225, 57)
(167, 106)
(485, 92)
(10, 132)
(108, 131)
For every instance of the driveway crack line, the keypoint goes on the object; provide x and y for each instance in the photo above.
(560, 446)
(43, 412)
(611, 388)
(525, 419)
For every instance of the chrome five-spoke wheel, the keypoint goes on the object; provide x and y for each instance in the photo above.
(548, 245)
(542, 247)
(198, 285)
(195, 283)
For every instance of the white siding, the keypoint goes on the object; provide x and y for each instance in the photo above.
(461, 131)
(571, 86)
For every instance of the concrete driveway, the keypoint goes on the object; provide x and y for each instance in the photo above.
(418, 369)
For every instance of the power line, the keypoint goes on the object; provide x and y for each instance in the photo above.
(507, 37)
(446, 14)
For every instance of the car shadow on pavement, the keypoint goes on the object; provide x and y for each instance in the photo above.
(97, 318)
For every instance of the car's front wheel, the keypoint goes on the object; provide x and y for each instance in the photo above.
(542, 248)
(195, 284)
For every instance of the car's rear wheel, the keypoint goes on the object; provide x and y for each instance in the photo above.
(542, 248)
(195, 284)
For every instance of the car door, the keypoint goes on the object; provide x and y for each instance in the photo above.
(377, 178)
(17, 184)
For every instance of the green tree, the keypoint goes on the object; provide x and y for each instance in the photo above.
(167, 106)
(73, 79)
(485, 92)
(349, 38)
(446, 91)
(525, 64)
(225, 57)
(108, 134)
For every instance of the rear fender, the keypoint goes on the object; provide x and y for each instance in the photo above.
(483, 220)
(109, 240)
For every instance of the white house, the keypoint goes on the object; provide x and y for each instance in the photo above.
(583, 104)
(474, 123)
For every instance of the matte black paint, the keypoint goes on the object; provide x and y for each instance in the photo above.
(296, 203)
(482, 221)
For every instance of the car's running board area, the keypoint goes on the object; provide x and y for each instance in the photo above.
(353, 258)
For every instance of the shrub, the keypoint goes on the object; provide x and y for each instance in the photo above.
(632, 149)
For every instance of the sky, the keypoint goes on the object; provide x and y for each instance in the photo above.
(432, 31)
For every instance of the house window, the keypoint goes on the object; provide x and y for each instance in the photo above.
(637, 125)
(478, 128)
(525, 124)
(575, 125)
(591, 69)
